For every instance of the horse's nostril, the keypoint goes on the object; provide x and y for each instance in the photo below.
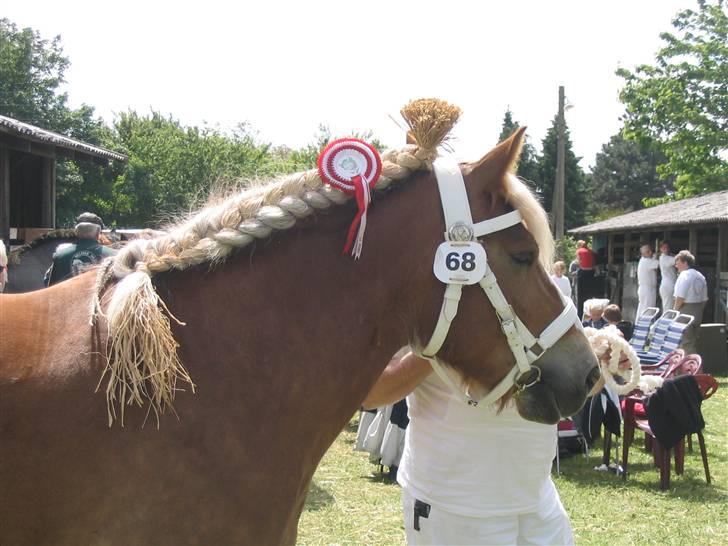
(592, 378)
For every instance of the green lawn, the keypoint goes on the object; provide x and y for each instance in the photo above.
(347, 504)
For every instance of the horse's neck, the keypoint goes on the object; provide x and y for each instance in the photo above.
(294, 319)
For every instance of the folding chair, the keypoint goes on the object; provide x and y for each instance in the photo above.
(673, 339)
(642, 328)
(658, 334)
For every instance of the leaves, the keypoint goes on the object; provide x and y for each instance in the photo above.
(681, 102)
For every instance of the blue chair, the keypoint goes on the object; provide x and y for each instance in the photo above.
(642, 328)
(659, 333)
(673, 339)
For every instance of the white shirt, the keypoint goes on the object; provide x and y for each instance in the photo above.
(563, 284)
(667, 269)
(646, 272)
(691, 286)
(472, 461)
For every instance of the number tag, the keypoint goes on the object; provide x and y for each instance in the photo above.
(460, 262)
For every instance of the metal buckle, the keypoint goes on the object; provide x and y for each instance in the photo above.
(528, 379)
(460, 231)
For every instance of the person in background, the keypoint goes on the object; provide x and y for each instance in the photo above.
(646, 279)
(470, 477)
(595, 309)
(73, 259)
(691, 295)
(613, 316)
(669, 276)
(559, 268)
(3, 266)
(585, 257)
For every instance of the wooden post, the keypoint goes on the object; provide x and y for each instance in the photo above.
(610, 248)
(46, 193)
(719, 264)
(627, 246)
(5, 196)
(557, 208)
(693, 242)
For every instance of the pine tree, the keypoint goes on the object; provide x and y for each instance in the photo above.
(528, 167)
(575, 190)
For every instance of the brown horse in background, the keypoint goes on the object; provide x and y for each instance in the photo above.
(283, 342)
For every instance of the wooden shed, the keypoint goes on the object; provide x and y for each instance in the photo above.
(699, 225)
(28, 176)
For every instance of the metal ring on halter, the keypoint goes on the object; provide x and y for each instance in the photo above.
(534, 374)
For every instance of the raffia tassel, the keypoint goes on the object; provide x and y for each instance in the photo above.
(142, 362)
(430, 121)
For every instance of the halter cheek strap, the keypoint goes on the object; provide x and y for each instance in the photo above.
(526, 348)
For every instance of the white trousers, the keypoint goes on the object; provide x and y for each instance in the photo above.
(647, 298)
(549, 526)
(667, 297)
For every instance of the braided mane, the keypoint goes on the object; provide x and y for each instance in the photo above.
(141, 353)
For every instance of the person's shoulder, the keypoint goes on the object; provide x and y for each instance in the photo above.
(64, 250)
(107, 251)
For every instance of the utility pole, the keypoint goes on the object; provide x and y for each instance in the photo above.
(557, 209)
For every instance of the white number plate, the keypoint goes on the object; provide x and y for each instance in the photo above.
(460, 262)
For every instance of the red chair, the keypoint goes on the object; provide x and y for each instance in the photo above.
(708, 385)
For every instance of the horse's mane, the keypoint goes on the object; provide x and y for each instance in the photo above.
(142, 357)
(17, 254)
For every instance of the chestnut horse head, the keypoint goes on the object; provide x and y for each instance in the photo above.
(519, 252)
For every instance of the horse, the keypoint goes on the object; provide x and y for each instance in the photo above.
(30, 262)
(279, 338)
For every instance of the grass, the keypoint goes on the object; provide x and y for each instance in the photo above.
(348, 503)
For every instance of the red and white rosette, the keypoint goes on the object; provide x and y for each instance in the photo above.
(352, 166)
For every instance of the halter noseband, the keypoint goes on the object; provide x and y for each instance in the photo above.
(460, 230)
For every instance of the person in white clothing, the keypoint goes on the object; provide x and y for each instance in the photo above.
(471, 475)
(560, 280)
(668, 275)
(691, 295)
(646, 279)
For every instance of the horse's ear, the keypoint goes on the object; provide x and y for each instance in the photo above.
(499, 161)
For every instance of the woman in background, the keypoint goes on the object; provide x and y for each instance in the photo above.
(669, 276)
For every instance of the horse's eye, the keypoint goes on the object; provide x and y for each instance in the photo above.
(523, 258)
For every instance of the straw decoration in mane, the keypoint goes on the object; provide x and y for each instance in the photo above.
(250, 303)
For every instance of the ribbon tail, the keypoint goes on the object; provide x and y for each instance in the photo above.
(355, 238)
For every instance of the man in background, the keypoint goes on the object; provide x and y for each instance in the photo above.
(646, 280)
(73, 259)
(691, 295)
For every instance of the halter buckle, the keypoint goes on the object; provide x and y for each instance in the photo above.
(528, 379)
(460, 231)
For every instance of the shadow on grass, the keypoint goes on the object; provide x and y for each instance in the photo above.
(317, 498)
(691, 486)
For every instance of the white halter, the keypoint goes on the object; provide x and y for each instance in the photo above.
(526, 348)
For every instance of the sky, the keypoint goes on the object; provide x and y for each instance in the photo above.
(286, 67)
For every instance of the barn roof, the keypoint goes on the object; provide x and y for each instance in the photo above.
(711, 208)
(25, 131)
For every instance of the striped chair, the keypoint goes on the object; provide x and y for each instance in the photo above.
(659, 333)
(642, 328)
(673, 339)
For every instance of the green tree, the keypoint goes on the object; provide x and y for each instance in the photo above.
(625, 173)
(528, 164)
(681, 102)
(576, 204)
(171, 167)
(31, 70)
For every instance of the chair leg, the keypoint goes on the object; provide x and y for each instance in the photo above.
(680, 457)
(704, 454)
(627, 439)
(664, 467)
(648, 442)
(607, 447)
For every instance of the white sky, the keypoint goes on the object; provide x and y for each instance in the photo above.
(288, 66)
